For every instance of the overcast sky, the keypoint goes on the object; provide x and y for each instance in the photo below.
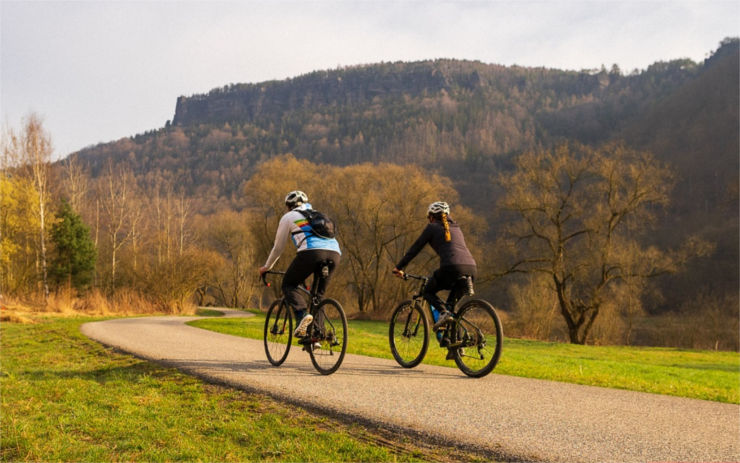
(98, 71)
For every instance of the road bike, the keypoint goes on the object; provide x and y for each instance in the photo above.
(473, 336)
(326, 336)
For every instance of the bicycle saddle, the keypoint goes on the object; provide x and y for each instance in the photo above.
(465, 285)
(325, 266)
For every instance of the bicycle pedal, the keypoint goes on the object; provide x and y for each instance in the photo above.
(311, 346)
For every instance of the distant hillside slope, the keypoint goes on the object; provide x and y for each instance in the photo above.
(464, 116)
(695, 129)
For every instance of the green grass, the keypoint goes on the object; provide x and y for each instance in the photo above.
(67, 398)
(707, 375)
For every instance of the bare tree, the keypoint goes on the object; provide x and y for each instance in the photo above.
(379, 209)
(577, 216)
(164, 211)
(31, 152)
(183, 209)
(227, 234)
(76, 183)
(121, 214)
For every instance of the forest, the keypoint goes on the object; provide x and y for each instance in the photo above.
(184, 214)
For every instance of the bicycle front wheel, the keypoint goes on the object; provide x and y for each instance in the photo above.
(278, 332)
(328, 337)
(408, 334)
(478, 338)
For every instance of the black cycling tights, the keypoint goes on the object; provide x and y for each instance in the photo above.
(446, 278)
(305, 264)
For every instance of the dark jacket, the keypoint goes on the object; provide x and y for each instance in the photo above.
(451, 253)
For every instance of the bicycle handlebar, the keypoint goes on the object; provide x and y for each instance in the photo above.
(263, 277)
(406, 276)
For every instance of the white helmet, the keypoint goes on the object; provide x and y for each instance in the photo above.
(295, 198)
(439, 207)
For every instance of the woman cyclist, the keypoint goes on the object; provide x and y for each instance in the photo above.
(455, 261)
(312, 250)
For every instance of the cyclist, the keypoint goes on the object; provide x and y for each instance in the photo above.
(312, 250)
(444, 236)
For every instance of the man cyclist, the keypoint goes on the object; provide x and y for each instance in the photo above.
(444, 236)
(312, 250)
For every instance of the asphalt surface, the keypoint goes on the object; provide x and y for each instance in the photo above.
(509, 418)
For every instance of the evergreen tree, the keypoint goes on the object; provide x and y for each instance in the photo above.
(75, 253)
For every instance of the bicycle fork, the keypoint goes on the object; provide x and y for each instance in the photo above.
(407, 330)
(279, 327)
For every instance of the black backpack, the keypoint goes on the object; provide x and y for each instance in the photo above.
(321, 224)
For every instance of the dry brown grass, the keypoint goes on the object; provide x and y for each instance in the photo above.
(95, 303)
(15, 311)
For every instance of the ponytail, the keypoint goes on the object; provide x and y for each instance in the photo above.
(447, 227)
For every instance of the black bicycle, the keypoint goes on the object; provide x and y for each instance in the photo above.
(326, 336)
(473, 337)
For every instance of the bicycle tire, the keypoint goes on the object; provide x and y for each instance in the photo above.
(408, 334)
(479, 338)
(278, 332)
(329, 330)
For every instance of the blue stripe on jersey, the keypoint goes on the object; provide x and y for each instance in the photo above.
(314, 242)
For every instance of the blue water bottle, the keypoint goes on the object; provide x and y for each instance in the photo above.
(435, 313)
(435, 317)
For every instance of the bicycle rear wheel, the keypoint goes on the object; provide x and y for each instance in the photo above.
(408, 334)
(478, 338)
(327, 340)
(278, 332)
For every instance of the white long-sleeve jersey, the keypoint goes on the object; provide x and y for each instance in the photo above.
(294, 225)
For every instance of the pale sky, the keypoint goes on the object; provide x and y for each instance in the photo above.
(98, 71)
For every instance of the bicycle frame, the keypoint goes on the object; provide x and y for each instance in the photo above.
(312, 298)
(418, 298)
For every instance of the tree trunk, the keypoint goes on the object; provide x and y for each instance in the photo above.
(44, 267)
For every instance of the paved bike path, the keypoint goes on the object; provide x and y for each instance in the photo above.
(512, 418)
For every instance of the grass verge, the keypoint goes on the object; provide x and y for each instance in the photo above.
(707, 375)
(67, 398)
